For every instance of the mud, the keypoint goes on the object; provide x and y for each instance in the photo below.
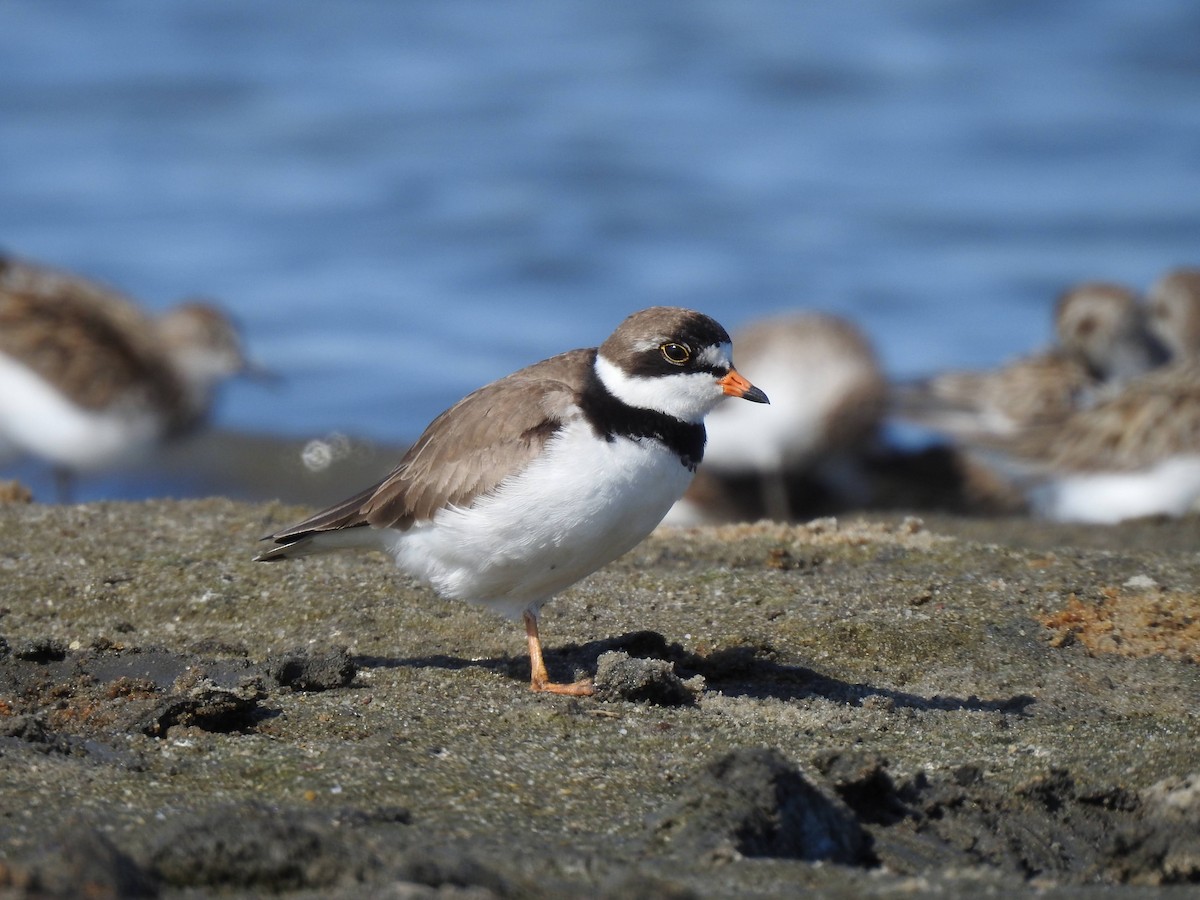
(864, 707)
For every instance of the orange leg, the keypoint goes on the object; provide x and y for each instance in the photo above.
(539, 680)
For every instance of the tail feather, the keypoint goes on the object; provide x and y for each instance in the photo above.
(289, 550)
(292, 544)
(334, 528)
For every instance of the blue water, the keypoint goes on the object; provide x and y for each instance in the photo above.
(400, 201)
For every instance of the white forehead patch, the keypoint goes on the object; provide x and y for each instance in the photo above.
(719, 356)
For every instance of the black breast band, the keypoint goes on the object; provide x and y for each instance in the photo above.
(612, 418)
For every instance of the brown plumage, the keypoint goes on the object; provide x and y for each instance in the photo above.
(91, 381)
(1174, 311)
(93, 344)
(536, 480)
(1103, 341)
(1154, 418)
(466, 451)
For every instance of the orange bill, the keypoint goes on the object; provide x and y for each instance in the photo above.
(736, 386)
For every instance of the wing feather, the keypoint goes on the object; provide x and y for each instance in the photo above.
(93, 343)
(490, 435)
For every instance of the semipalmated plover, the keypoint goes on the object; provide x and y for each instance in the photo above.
(529, 484)
(828, 395)
(1173, 303)
(87, 380)
(1103, 341)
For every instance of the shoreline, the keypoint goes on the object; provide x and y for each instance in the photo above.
(968, 704)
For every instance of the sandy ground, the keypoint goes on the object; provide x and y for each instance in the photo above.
(861, 707)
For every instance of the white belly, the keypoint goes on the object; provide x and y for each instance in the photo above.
(582, 504)
(36, 419)
(1170, 487)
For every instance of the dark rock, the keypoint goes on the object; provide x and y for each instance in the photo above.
(255, 847)
(1041, 828)
(449, 867)
(1163, 845)
(197, 701)
(84, 863)
(622, 677)
(312, 669)
(31, 729)
(40, 650)
(863, 782)
(754, 802)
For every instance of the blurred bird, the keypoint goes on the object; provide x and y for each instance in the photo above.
(828, 396)
(1135, 453)
(1103, 341)
(88, 381)
(1173, 309)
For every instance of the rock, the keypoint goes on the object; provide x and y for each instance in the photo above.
(313, 668)
(84, 863)
(196, 701)
(862, 781)
(1163, 847)
(620, 676)
(253, 846)
(753, 802)
(40, 650)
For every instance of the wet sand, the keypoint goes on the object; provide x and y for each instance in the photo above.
(868, 706)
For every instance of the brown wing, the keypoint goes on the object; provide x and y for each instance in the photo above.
(467, 451)
(95, 344)
(1152, 419)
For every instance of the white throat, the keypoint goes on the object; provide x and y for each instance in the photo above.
(687, 396)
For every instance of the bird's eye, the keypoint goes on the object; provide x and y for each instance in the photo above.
(676, 354)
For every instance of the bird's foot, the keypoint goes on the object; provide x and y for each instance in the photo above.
(582, 688)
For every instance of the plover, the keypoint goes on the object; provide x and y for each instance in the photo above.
(1173, 308)
(828, 396)
(1103, 342)
(87, 380)
(531, 483)
(1133, 454)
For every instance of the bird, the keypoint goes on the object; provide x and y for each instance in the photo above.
(1173, 309)
(532, 482)
(1103, 341)
(1102, 325)
(1133, 454)
(88, 380)
(829, 395)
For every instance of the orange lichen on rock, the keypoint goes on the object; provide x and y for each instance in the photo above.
(1131, 622)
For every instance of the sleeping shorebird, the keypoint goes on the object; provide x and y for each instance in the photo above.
(1136, 453)
(1173, 308)
(1102, 343)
